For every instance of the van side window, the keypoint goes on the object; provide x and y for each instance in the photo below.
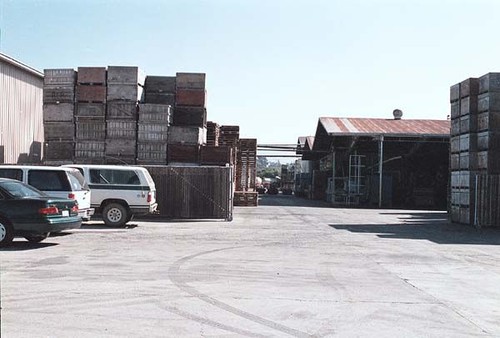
(111, 176)
(15, 174)
(48, 180)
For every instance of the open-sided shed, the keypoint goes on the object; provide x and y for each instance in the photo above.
(382, 162)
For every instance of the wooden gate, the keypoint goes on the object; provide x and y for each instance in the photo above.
(193, 192)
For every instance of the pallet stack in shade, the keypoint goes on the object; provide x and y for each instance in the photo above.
(58, 115)
(188, 131)
(463, 148)
(152, 131)
(125, 88)
(90, 115)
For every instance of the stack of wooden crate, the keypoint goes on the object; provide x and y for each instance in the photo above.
(58, 115)
(125, 88)
(213, 133)
(90, 114)
(188, 131)
(463, 148)
(160, 90)
(152, 131)
(246, 172)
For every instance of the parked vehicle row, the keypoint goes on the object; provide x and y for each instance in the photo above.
(28, 212)
(117, 193)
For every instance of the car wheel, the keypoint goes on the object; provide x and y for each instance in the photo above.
(115, 215)
(6, 232)
(37, 238)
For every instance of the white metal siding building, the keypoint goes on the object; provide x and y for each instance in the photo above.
(21, 112)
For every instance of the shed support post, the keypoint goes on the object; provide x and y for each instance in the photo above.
(333, 176)
(380, 169)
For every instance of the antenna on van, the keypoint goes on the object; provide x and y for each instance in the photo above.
(117, 159)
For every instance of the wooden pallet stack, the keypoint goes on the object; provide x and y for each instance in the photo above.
(152, 131)
(90, 115)
(125, 88)
(213, 134)
(58, 115)
(160, 90)
(463, 148)
(188, 131)
(245, 194)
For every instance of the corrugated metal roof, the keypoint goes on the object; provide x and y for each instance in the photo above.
(309, 142)
(20, 65)
(338, 126)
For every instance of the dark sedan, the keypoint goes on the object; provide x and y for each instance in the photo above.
(29, 213)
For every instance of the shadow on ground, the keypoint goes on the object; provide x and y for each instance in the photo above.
(290, 201)
(431, 226)
(22, 245)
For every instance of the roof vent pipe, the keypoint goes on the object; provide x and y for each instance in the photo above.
(398, 114)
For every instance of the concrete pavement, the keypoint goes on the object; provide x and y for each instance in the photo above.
(286, 268)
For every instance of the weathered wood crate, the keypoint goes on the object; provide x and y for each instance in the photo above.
(59, 131)
(160, 98)
(59, 150)
(59, 77)
(91, 110)
(489, 83)
(151, 153)
(160, 84)
(90, 151)
(91, 129)
(488, 121)
(190, 80)
(58, 112)
(154, 113)
(91, 93)
(246, 199)
(58, 94)
(124, 92)
(91, 75)
(213, 155)
(121, 110)
(125, 75)
(191, 97)
(152, 132)
(187, 135)
(120, 147)
(121, 129)
(190, 116)
(183, 153)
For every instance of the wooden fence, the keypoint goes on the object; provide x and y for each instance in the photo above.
(487, 200)
(193, 192)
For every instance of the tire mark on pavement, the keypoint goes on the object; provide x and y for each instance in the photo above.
(209, 322)
(176, 278)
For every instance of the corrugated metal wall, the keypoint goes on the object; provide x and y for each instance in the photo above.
(21, 115)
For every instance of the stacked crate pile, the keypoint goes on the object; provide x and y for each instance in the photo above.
(160, 90)
(125, 88)
(213, 134)
(245, 194)
(463, 148)
(152, 131)
(58, 115)
(90, 115)
(188, 131)
(488, 144)
(213, 153)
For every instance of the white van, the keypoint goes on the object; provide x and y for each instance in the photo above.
(54, 181)
(119, 192)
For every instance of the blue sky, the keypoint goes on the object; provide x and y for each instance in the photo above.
(273, 67)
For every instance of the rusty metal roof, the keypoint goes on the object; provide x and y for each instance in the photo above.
(338, 126)
(309, 143)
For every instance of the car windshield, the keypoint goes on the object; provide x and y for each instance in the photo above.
(19, 189)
